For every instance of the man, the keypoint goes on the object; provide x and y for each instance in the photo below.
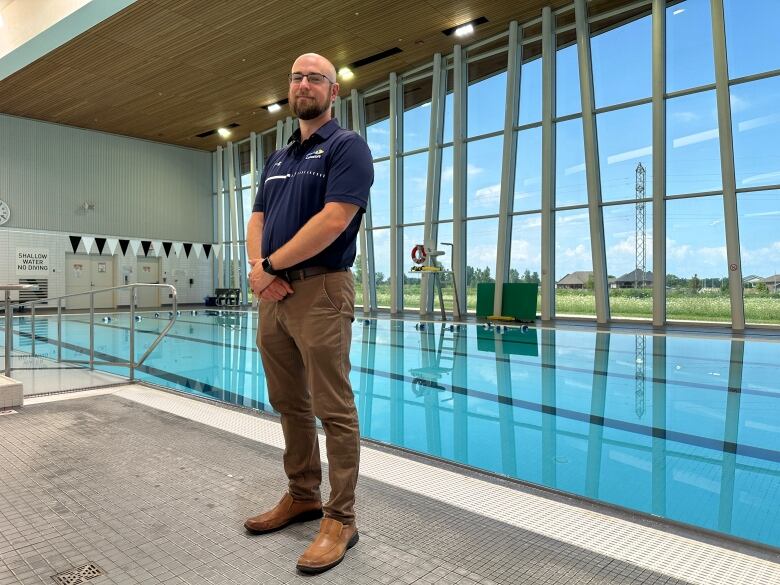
(301, 243)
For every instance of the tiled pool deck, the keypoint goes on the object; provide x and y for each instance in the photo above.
(153, 487)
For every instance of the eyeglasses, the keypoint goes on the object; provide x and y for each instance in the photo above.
(314, 78)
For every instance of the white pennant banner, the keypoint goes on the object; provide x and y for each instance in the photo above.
(89, 243)
(111, 244)
(134, 246)
(198, 249)
(178, 247)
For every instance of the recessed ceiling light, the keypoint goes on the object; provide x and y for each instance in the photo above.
(224, 132)
(273, 108)
(346, 73)
(464, 30)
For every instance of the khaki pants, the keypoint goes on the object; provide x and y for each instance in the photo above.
(304, 341)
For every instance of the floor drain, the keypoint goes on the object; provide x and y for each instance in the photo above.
(78, 575)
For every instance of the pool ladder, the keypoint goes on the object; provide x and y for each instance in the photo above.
(131, 363)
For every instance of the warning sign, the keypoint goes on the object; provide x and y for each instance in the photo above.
(32, 262)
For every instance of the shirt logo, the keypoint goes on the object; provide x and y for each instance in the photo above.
(316, 154)
(278, 164)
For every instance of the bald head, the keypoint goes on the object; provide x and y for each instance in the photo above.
(312, 62)
(311, 99)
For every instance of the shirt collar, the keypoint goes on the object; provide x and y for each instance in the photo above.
(323, 132)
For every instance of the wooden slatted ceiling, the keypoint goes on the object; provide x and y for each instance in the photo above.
(166, 70)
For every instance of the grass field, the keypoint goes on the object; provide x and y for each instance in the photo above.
(712, 306)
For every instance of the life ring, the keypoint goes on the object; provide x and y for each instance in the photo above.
(418, 254)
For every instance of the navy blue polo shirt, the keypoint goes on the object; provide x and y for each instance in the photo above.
(333, 164)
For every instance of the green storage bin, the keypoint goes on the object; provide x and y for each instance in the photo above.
(519, 300)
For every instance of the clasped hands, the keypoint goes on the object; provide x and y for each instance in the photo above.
(267, 286)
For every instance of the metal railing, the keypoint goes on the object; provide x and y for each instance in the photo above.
(131, 363)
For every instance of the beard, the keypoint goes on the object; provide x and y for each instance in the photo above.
(309, 109)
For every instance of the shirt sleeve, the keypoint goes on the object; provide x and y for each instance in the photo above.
(259, 201)
(350, 173)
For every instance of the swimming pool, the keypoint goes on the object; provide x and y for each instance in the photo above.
(684, 428)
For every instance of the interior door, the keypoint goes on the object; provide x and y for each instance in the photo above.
(78, 279)
(103, 277)
(148, 273)
(85, 273)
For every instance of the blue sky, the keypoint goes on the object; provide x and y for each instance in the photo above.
(622, 72)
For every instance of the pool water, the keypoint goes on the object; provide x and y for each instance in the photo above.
(685, 428)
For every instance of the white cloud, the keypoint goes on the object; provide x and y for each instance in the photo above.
(579, 252)
(489, 194)
(677, 251)
(533, 222)
(472, 170)
(713, 256)
(762, 261)
(738, 104)
(685, 117)
(574, 217)
(621, 255)
(482, 255)
(526, 254)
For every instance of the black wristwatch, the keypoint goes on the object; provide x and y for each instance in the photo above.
(267, 266)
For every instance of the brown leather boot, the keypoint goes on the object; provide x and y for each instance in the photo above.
(329, 547)
(286, 512)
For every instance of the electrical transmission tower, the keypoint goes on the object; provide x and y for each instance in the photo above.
(641, 227)
(639, 281)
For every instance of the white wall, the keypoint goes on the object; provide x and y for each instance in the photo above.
(137, 188)
(175, 270)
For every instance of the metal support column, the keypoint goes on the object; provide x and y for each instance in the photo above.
(727, 166)
(459, 100)
(366, 235)
(220, 219)
(280, 141)
(232, 194)
(592, 163)
(659, 163)
(288, 129)
(507, 189)
(548, 164)
(433, 187)
(338, 113)
(396, 182)
(8, 335)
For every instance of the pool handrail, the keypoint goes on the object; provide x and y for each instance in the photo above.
(131, 363)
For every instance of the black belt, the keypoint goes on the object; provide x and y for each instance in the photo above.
(304, 273)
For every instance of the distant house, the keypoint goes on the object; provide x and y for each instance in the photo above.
(575, 280)
(634, 278)
(772, 283)
(751, 281)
